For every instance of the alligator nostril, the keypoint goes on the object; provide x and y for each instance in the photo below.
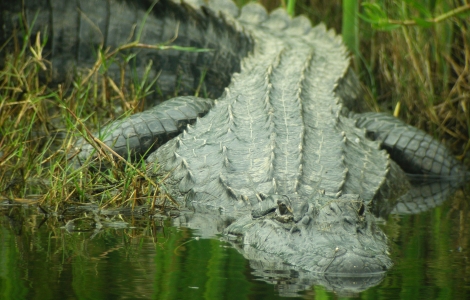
(348, 220)
(332, 209)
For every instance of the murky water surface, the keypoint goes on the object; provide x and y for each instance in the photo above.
(41, 259)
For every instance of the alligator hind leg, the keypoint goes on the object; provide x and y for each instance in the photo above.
(141, 133)
(414, 150)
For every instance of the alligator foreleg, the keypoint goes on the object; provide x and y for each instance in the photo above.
(141, 133)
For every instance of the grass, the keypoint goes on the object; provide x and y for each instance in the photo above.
(413, 61)
(39, 126)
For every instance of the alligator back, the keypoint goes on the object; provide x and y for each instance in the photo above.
(278, 128)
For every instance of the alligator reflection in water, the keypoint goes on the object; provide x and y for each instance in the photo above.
(423, 196)
(155, 260)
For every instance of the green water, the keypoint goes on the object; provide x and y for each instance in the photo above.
(154, 260)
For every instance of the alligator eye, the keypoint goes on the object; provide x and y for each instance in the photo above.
(371, 135)
(282, 208)
(362, 209)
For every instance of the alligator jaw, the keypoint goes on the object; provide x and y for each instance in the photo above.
(332, 236)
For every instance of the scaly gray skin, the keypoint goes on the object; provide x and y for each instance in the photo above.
(279, 156)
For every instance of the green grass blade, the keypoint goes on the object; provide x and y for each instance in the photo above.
(349, 29)
(291, 7)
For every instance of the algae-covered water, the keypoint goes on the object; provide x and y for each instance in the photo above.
(148, 258)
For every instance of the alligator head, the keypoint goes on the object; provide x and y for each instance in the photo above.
(323, 234)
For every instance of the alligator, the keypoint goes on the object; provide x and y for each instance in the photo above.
(284, 162)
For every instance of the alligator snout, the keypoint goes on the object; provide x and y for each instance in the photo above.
(348, 263)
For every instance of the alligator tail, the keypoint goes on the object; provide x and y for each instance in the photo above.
(76, 31)
(414, 150)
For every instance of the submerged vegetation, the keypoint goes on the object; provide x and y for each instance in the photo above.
(419, 71)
